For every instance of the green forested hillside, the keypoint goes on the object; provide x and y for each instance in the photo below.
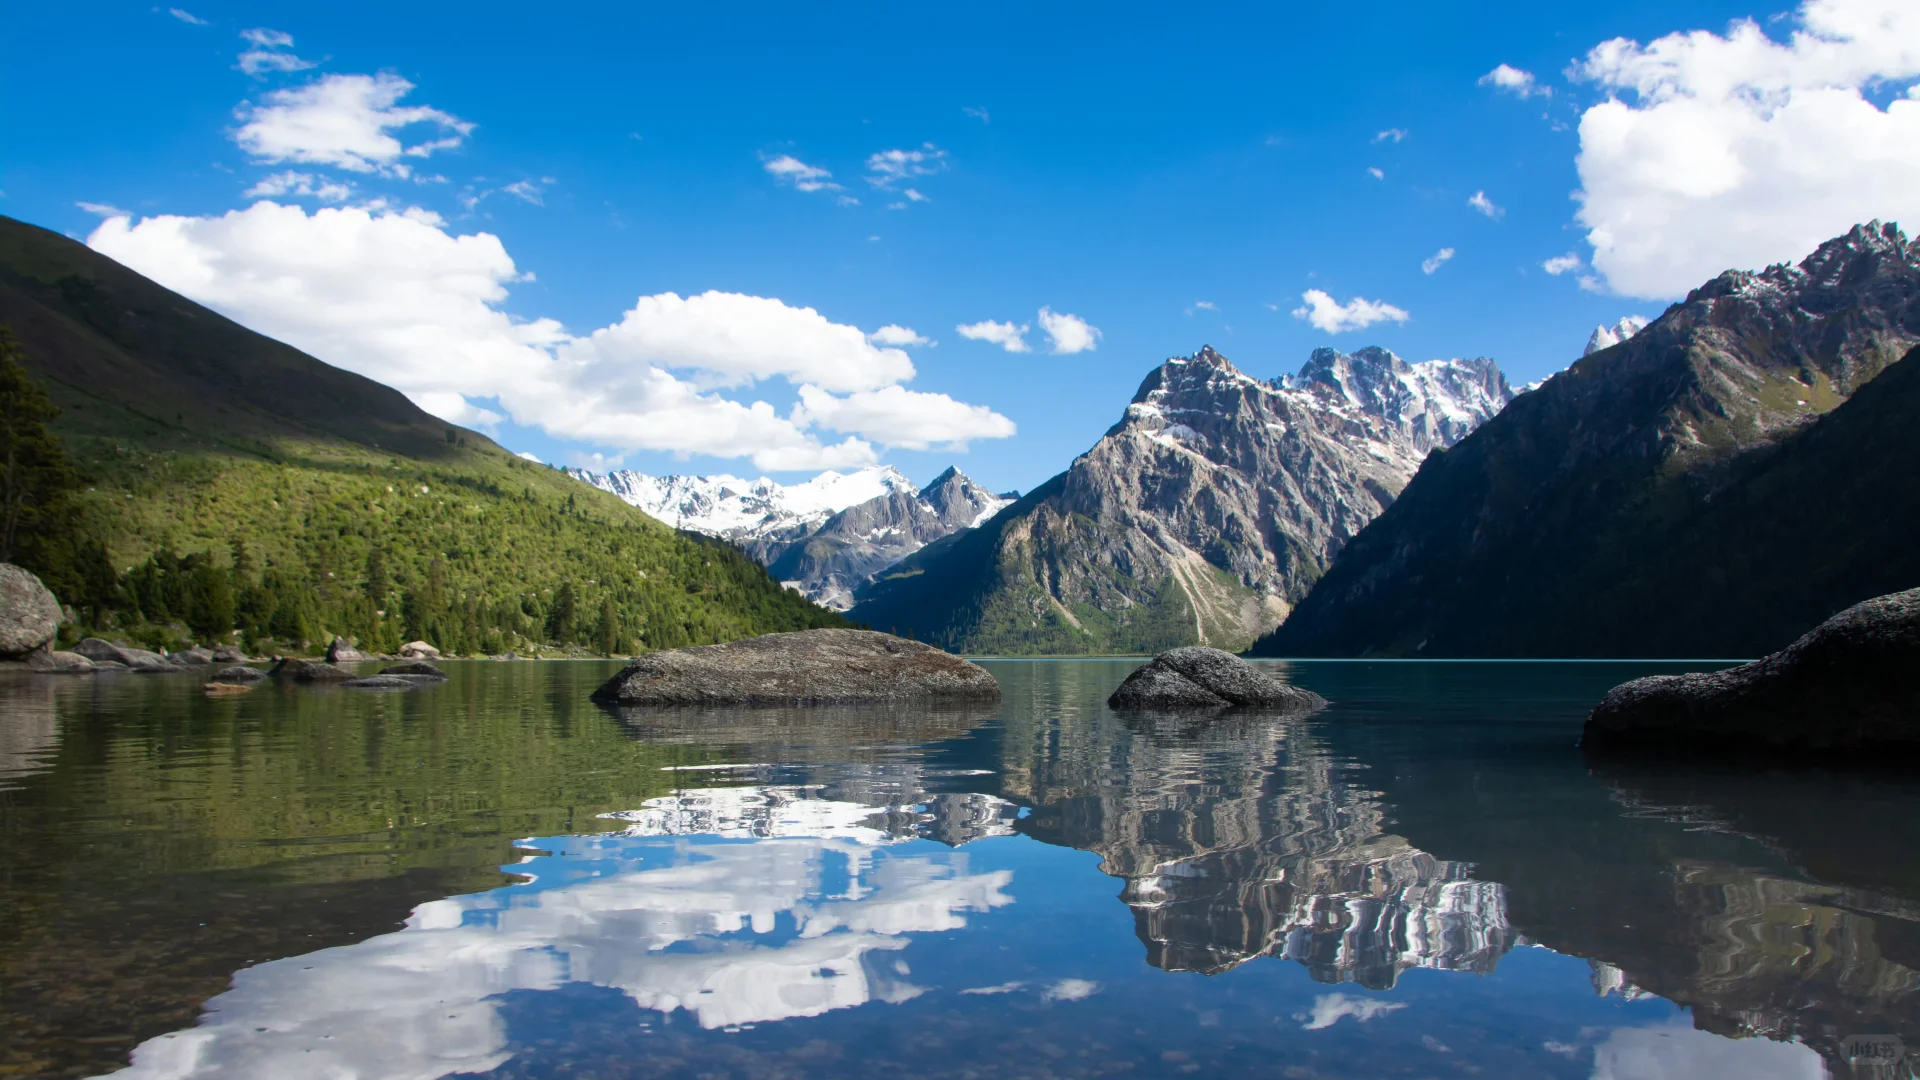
(233, 482)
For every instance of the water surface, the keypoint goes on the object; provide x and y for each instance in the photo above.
(499, 877)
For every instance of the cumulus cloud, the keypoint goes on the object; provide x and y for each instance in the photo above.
(396, 297)
(281, 184)
(1736, 150)
(1004, 334)
(1391, 135)
(888, 167)
(788, 169)
(1515, 81)
(1071, 990)
(345, 121)
(897, 336)
(1323, 312)
(268, 52)
(1439, 259)
(1562, 264)
(186, 17)
(1070, 333)
(1479, 201)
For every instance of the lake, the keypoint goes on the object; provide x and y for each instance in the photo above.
(498, 876)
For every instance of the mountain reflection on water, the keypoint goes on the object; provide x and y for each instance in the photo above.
(1427, 878)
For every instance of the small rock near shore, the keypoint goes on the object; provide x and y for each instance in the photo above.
(53, 662)
(239, 673)
(1200, 678)
(308, 671)
(29, 614)
(806, 667)
(1851, 684)
(419, 650)
(100, 651)
(339, 652)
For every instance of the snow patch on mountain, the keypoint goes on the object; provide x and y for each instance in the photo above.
(1606, 337)
(744, 510)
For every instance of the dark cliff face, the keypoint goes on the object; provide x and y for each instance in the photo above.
(1706, 487)
(1211, 505)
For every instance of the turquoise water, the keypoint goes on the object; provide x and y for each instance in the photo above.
(499, 877)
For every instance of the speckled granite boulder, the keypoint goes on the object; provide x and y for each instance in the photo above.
(308, 671)
(1850, 684)
(807, 667)
(1200, 678)
(29, 614)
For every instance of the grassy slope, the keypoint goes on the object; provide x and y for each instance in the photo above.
(194, 430)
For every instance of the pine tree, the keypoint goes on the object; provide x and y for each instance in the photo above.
(564, 615)
(609, 627)
(37, 517)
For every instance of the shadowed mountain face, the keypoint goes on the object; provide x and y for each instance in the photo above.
(1712, 486)
(1209, 508)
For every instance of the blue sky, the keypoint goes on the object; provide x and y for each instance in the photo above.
(1168, 177)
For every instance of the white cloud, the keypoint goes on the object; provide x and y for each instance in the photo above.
(187, 17)
(1439, 259)
(1377, 173)
(1330, 1009)
(1004, 334)
(904, 418)
(1736, 151)
(1515, 81)
(1323, 312)
(344, 121)
(396, 297)
(102, 209)
(1070, 333)
(266, 54)
(535, 458)
(298, 183)
(1479, 201)
(915, 196)
(889, 167)
(1071, 990)
(1391, 135)
(524, 190)
(977, 113)
(788, 169)
(1202, 305)
(1562, 264)
(897, 336)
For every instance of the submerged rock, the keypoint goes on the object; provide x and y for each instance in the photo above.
(1201, 678)
(806, 667)
(239, 673)
(308, 671)
(339, 652)
(1852, 683)
(226, 689)
(29, 614)
(391, 682)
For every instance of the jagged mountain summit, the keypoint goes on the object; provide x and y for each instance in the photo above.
(824, 537)
(1209, 508)
(1712, 486)
(1606, 337)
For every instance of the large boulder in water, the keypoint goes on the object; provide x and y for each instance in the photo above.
(1200, 678)
(1850, 684)
(100, 651)
(341, 652)
(29, 614)
(807, 667)
(307, 671)
(419, 650)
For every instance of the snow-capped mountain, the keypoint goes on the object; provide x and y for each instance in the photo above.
(1201, 516)
(746, 510)
(1606, 337)
(824, 537)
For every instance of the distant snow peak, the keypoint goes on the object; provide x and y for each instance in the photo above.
(743, 510)
(1606, 337)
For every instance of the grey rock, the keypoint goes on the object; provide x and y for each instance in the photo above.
(1199, 677)
(308, 671)
(419, 650)
(195, 656)
(419, 669)
(804, 667)
(228, 654)
(29, 614)
(239, 673)
(98, 650)
(339, 652)
(59, 663)
(1850, 684)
